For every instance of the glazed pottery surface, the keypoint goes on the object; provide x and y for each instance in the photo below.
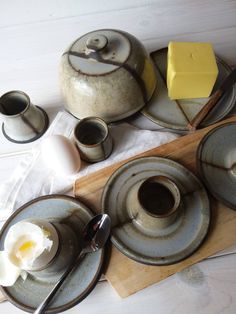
(22, 121)
(69, 246)
(143, 240)
(93, 139)
(29, 293)
(216, 161)
(155, 202)
(175, 115)
(106, 73)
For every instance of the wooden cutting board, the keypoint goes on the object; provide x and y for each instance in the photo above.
(127, 276)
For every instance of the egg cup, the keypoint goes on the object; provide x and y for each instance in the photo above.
(65, 246)
(40, 247)
(93, 139)
(23, 122)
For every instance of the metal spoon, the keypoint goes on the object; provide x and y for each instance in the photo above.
(95, 235)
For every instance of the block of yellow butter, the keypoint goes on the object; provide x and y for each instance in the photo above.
(191, 70)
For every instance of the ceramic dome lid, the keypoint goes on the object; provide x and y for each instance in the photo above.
(99, 52)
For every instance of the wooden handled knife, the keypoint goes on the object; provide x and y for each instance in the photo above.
(227, 83)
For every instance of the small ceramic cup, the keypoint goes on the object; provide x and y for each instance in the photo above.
(93, 139)
(64, 248)
(154, 202)
(22, 121)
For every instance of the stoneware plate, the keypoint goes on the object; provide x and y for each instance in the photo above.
(164, 246)
(216, 162)
(28, 294)
(175, 115)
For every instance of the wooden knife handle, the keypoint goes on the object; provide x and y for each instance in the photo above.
(193, 124)
(2, 297)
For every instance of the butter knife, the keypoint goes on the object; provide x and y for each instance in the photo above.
(227, 83)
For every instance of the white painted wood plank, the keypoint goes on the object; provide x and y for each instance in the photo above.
(144, 22)
(15, 12)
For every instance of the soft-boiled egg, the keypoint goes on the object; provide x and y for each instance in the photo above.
(27, 246)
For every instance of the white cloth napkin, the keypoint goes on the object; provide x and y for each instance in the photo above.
(32, 178)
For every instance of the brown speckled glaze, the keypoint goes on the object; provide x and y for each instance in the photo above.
(216, 162)
(117, 89)
(139, 237)
(154, 202)
(22, 121)
(93, 139)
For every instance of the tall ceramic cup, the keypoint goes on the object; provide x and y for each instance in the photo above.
(22, 121)
(93, 139)
(154, 202)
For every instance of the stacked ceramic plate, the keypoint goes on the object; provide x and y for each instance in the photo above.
(174, 115)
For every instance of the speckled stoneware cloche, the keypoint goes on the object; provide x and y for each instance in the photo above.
(106, 73)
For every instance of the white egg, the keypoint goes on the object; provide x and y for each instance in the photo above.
(61, 155)
(8, 271)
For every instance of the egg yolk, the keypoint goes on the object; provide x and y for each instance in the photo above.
(26, 247)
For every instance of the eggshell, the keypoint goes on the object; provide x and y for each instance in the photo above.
(8, 271)
(61, 155)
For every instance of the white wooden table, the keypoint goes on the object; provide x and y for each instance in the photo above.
(33, 35)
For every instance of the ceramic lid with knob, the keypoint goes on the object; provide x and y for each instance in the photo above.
(106, 73)
(113, 47)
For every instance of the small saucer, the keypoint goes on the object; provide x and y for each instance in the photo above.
(216, 162)
(161, 246)
(28, 294)
(175, 115)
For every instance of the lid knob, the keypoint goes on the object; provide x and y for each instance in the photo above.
(97, 42)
